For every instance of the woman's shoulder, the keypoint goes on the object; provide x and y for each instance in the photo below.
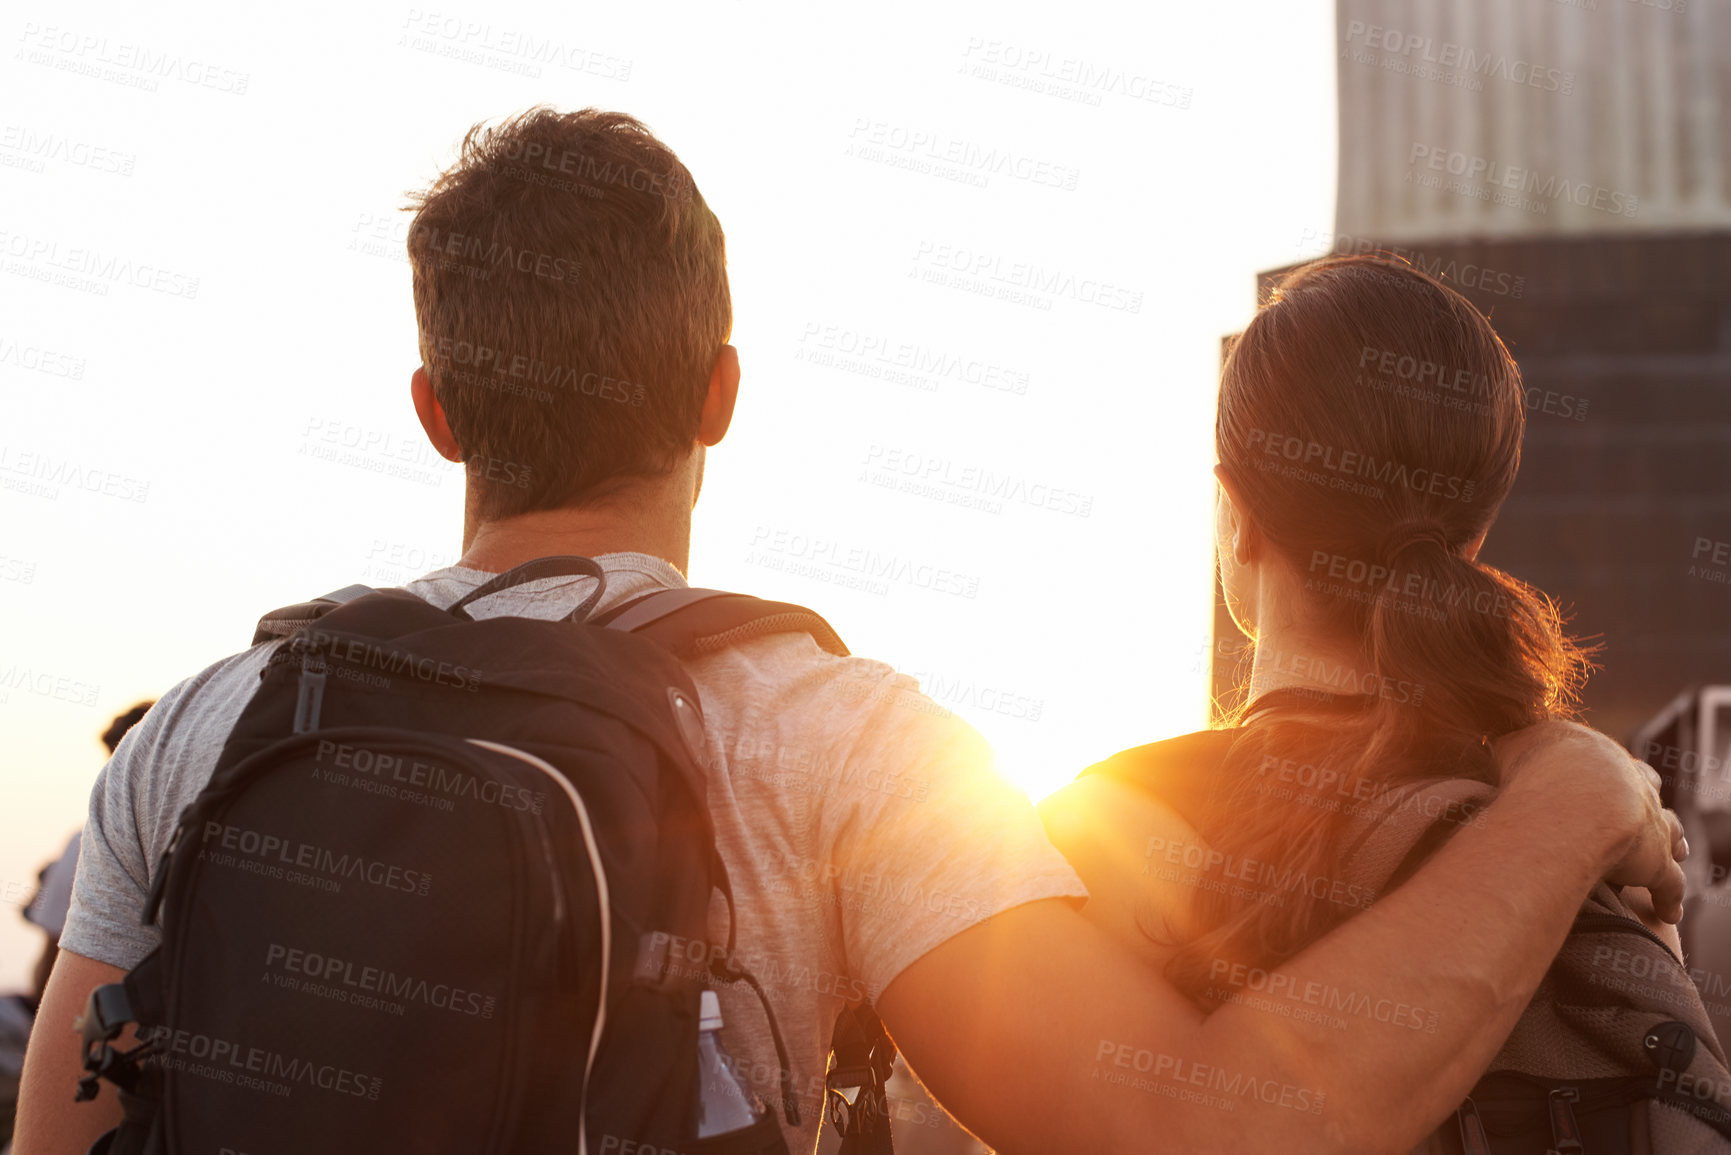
(1121, 829)
(1182, 772)
(1116, 837)
(1109, 826)
(1114, 807)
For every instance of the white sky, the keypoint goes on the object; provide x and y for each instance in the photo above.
(267, 162)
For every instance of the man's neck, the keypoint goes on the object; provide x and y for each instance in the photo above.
(653, 519)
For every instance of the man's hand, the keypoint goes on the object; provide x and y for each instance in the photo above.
(1577, 762)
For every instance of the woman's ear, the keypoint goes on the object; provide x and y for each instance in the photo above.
(1471, 553)
(1242, 537)
(1237, 544)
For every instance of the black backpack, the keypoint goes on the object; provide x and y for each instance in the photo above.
(434, 895)
(1615, 1055)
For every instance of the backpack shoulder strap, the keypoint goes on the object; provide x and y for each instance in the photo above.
(1390, 841)
(694, 622)
(688, 622)
(289, 620)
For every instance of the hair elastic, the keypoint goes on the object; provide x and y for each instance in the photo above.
(1402, 538)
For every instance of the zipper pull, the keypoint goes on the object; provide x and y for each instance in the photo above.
(1474, 1141)
(1565, 1133)
(312, 691)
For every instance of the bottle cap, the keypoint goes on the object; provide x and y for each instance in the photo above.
(709, 1012)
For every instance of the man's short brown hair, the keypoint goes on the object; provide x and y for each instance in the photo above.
(571, 292)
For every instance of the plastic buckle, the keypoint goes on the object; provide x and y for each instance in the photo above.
(653, 953)
(839, 1107)
(862, 1119)
(1474, 1141)
(1565, 1132)
(103, 1067)
(106, 1013)
(845, 1078)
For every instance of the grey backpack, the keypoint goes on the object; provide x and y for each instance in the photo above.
(1615, 1055)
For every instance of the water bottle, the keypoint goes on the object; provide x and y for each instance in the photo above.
(723, 1104)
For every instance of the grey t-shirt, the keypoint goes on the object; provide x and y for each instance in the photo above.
(860, 823)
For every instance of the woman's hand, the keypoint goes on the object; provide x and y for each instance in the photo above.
(1611, 796)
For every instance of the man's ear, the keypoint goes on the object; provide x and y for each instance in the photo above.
(432, 416)
(719, 401)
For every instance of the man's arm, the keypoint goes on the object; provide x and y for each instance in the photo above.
(1040, 1034)
(49, 1122)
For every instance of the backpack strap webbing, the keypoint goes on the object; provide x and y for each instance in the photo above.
(694, 622)
(290, 620)
(1389, 843)
(1389, 838)
(690, 623)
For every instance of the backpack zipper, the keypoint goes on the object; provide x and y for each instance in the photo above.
(1595, 921)
(310, 692)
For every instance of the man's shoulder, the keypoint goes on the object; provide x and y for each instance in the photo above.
(160, 765)
(791, 669)
(200, 707)
(782, 700)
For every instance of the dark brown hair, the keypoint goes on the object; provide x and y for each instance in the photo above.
(571, 290)
(1370, 421)
(123, 722)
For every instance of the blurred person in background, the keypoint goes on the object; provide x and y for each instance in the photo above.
(47, 911)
